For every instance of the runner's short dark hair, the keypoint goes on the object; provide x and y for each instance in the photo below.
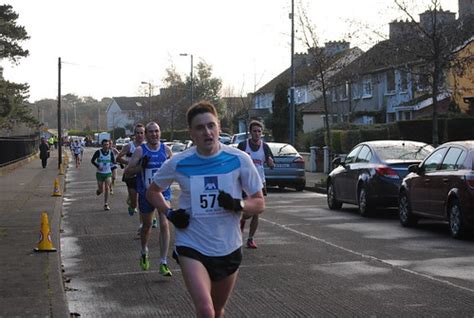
(201, 107)
(255, 123)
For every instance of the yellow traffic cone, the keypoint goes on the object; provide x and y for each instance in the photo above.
(61, 170)
(56, 191)
(45, 244)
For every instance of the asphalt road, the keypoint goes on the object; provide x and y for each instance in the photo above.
(310, 261)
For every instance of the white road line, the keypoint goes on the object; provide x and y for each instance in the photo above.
(369, 257)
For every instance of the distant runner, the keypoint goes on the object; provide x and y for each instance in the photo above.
(103, 160)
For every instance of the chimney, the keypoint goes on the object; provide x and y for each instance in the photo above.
(466, 8)
(334, 47)
(442, 18)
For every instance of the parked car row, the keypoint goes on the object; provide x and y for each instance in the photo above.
(421, 181)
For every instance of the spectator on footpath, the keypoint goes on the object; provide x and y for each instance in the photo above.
(44, 152)
(211, 177)
(260, 153)
(145, 162)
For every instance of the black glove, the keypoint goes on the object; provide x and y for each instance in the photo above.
(145, 160)
(226, 201)
(179, 218)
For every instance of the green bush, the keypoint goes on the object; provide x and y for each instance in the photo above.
(313, 138)
(460, 128)
(352, 138)
(420, 130)
(182, 134)
(336, 141)
(373, 134)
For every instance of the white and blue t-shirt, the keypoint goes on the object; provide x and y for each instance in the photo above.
(212, 230)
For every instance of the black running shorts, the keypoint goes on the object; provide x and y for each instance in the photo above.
(218, 267)
(130, 182)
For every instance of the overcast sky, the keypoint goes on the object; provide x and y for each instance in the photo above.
(109, 47)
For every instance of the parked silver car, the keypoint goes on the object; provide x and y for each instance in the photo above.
(289, 167)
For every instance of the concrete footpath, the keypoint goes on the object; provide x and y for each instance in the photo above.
(30, 282)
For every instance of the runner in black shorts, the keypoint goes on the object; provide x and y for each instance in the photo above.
(208, 239)
(131, 180)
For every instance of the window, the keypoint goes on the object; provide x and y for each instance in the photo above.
(390, 79)
(367, 87)
(334, 94)
(422, 82)
(403, 81)
(343, 92)
(351, 157)
(364, 155)
(355, 90)
(433, 161)
(451, 161)
(367, 120)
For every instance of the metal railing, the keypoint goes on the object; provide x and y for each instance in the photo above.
(16, 148)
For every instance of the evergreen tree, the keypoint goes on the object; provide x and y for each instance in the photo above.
(13, 107)
(280, 118)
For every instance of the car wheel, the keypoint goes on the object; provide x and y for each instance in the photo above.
(365, 206)
(404, 211)
(299, 187)
(457, 227)
(333, 203)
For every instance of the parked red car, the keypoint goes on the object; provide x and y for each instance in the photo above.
(441, 187)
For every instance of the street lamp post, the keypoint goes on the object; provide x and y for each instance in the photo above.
(292, 79)
(192, 82)
(149, 99)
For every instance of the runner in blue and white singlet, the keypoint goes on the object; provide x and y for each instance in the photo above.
(145, 162)
(211, 177)
(145, 177)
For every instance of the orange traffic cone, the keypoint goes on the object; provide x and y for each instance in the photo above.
(45, 244)
(56, 191)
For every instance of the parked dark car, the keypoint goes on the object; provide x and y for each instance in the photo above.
(441, 187)
(289, 167)
(371, 174)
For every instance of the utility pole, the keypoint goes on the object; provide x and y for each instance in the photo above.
(192, 81)
(60, 137)
(150, 86)
(292, 85)
(75, 119)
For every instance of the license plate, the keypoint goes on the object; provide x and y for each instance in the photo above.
(282, 165)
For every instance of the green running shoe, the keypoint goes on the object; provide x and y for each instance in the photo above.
(131, 211)
(145, 262)
(164, 270)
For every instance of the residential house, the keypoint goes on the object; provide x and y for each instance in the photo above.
(391, 81)
(307, 88)
(461, 76)
(125, 112)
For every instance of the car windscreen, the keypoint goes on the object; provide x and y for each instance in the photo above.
(403, 151)
(282, 149)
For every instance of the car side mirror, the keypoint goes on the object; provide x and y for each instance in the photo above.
(337, 161)
(415, 168)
